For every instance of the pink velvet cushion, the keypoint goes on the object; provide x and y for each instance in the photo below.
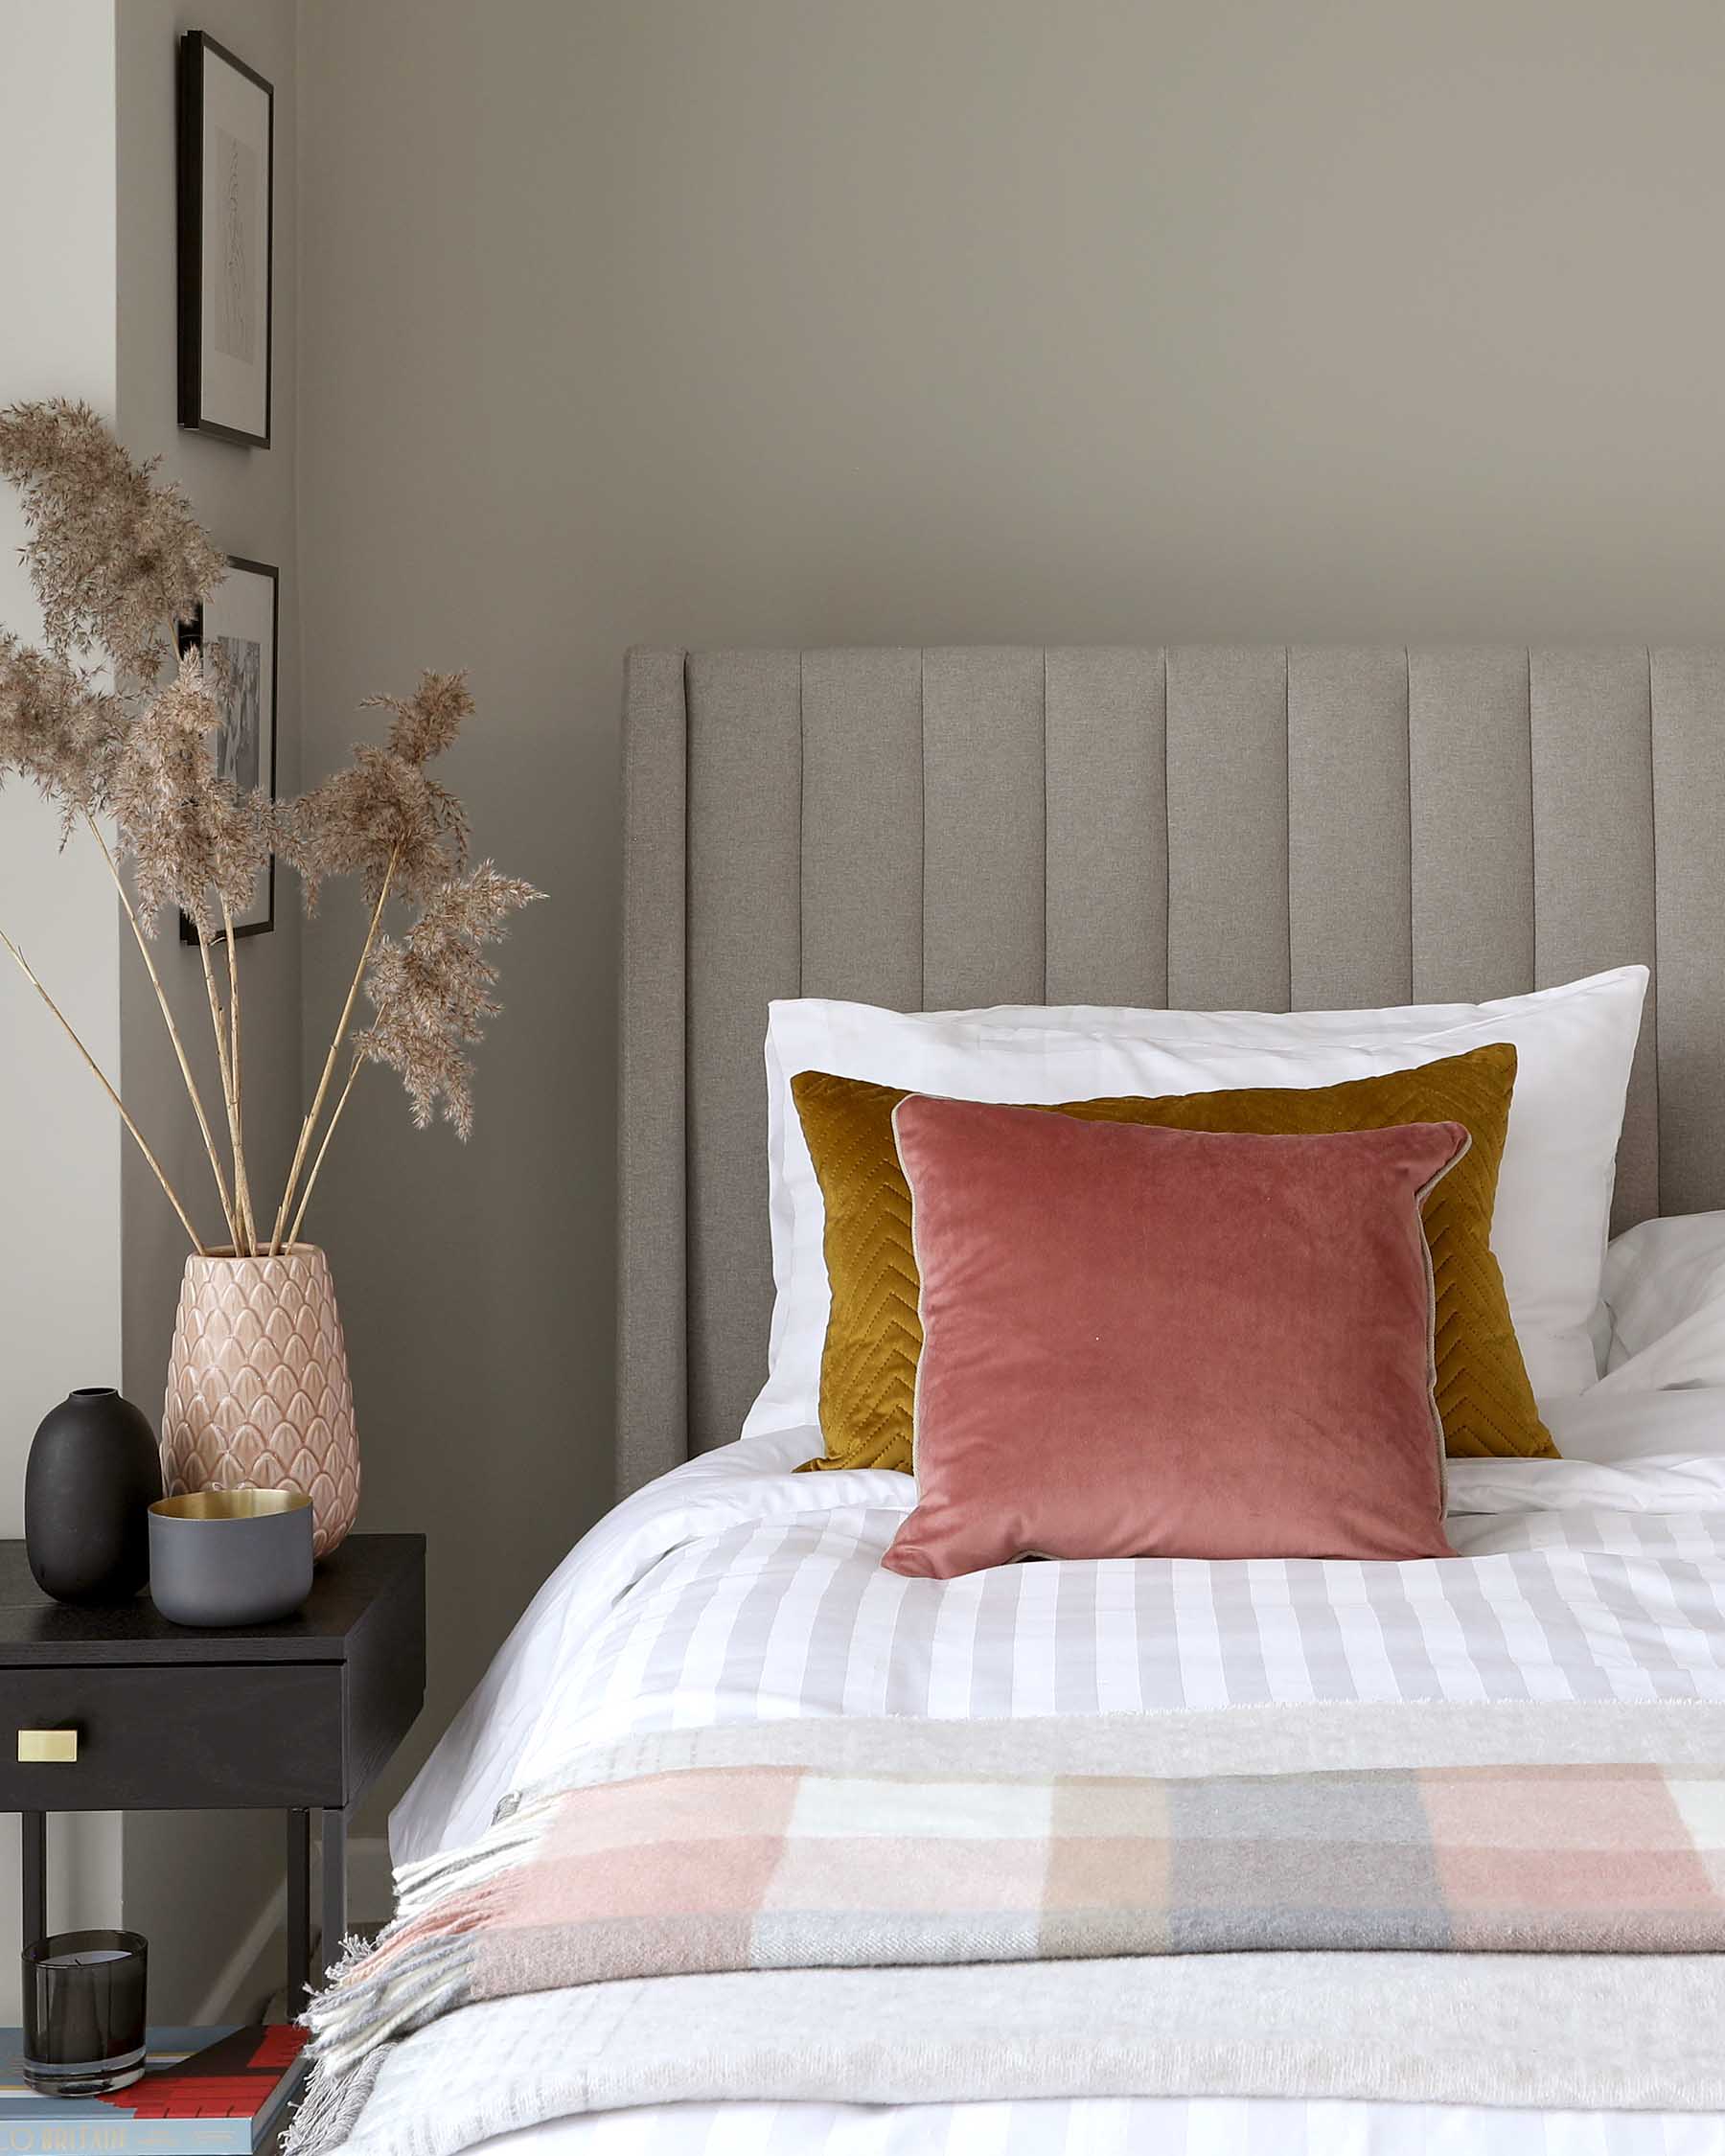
(1146, 1343)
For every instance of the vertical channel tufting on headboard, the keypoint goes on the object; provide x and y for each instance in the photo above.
(1471, 789)
(652, 1389)
(1228, 829)
(745, 947)
(985, 832)
(1350, 937)
(1688, 821)
(1246, 826)
(863, 827)
(1106, 801)
(1590, 718)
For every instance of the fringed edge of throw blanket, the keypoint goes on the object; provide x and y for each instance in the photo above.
(418, 1968)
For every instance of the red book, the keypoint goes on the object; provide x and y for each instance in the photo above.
(205, 2091)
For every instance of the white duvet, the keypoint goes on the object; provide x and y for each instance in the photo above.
(732, 1590)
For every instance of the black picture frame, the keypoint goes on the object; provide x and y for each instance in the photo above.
(192, 633)
(211, 389)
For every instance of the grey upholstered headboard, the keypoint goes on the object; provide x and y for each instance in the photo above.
(1257, 828)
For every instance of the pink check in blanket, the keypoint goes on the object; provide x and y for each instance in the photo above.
(704, 1870)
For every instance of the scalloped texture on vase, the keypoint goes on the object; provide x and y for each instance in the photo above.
(258, 1389)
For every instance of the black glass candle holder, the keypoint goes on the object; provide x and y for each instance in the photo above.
(83, 2013)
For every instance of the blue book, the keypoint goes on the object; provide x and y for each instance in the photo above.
(205, 2091)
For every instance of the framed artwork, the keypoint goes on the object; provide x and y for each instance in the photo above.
(240, 618)
(227, 239)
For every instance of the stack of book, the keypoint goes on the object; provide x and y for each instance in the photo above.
(205, 2091)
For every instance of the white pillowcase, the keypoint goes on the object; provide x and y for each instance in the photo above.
(1574, 1043)
(1664, 1285)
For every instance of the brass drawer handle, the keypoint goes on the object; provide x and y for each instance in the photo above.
(47, 1747)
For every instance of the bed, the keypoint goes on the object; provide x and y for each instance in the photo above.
(1201, 829)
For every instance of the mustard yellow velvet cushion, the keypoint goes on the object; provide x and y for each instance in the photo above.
(873, 1339)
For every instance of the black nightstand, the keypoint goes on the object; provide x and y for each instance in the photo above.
(117, 1710)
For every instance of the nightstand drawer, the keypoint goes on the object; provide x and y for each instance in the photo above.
(167, 1739)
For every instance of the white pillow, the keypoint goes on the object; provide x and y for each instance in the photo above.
(1575, 1046)
(1664, 1285)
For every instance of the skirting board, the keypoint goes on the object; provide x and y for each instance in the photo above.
(371, 1898)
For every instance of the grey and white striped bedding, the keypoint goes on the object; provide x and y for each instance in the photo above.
(1113, 2127)
(732, 1590)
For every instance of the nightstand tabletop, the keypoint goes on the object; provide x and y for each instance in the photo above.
(36, 1632)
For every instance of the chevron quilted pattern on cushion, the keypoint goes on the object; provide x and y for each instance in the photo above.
(868, 1365)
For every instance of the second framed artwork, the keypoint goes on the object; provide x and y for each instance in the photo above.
(239, 621)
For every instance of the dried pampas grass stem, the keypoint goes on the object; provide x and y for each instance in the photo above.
(310, 1125)
(173, 1032)
(219, 1026)
(24, 967)
(242, 1181)
(294, 1234)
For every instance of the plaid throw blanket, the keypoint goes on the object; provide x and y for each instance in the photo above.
(947, 1852)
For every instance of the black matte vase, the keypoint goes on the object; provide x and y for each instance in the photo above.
(93, 1474)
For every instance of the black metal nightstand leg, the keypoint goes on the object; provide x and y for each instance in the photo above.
(299, 1909)
(35, 1826)
(334, 1887)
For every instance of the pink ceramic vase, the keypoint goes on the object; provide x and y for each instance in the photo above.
(258, 1389)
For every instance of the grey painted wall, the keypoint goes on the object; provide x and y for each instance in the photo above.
(978, 319)
(60, 1142)
(194, 1883)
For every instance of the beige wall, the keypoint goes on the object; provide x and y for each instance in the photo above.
(919, 320)
(60, 1143)
(195, 1883)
